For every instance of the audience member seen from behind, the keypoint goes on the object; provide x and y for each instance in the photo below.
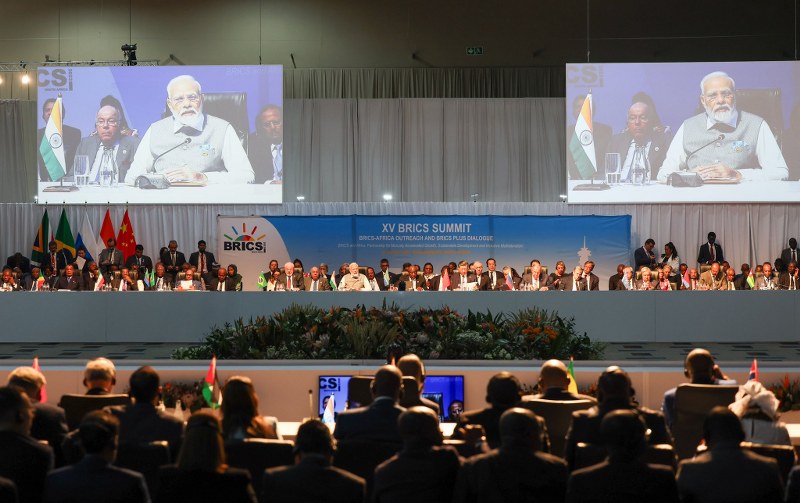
(700, 368)
(623, 476)
(422, 470)
(140, 422)
(312, 478)
(94, 479)
(99, 376)
(411, 366)
(518, 470)
(554, 382)
(614, 392)
(23, 460)
(757, 409)
(240, 416)
(49, 422)
(726, 472)
(201, 473)
(378, 420)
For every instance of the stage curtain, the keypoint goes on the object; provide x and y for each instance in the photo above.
(373, 83)
(17, 155)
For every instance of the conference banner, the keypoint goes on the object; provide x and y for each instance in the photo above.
(251, 242)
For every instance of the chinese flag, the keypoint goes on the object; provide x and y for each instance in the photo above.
(126, 241)
(106, 231)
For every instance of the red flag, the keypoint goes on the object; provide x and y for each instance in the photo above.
(106, 231)
(126, 241)
(209, 385)
(753, 371)
(43, 398)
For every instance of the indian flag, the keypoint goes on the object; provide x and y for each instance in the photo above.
(581, 145)
(208, 385)
(573, 384)
(52, 146)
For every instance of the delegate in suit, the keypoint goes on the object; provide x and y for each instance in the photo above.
(106, 147)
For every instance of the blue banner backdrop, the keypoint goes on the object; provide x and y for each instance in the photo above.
(250, 242)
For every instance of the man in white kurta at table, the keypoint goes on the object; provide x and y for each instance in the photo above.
(208, 149)
(724, 143)
(354, 281)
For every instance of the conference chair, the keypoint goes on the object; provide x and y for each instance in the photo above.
(145, 458)
(692, 403)
(557, 415)
(77, 406)
(256, 455)
(359, 393)
(527, 270)
(361, 457)
(704, 268)
(766, 103)
(592, 454)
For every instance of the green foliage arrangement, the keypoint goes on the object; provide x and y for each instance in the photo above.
(308, 332)
(788, 392)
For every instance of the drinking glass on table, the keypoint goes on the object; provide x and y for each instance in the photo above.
(81, 168)
(612, 168)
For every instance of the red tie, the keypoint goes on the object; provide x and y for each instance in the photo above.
(53, 261)
(288, 282)
(713, 255)
(202, 263)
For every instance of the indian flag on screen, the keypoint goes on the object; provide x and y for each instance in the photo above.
(52, 146)
(582, 142)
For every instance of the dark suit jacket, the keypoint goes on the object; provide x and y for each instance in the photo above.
(515, 280)
(24, 263)
(27, 282)
(586, 426)
(642, 258)
(72, 138)
(113, 257)
(420, 284)
(554, 282)
(416, 475)
(115, 284)
(26, 462)
(168, 280)
(485, 282)
(166, 259)
(512, 474)
(75, 283)
(740, 282)
(618, 481)
(455, 279)
(49, 423)
(435, 282)
(8, 491)
(377, 421)
(175, 484)
(323, 285)
(568, 279)
(90, 145)
(729, 474)
(393, 278)
(194, 259)
(312, 480)
(89, 282)
(527, 278)
(613, 282)
(562, 394)
(146, 262)
(489, 418)
(63, 257)
(784, 280)
(297, 280)
(230, 284)
(786, 256)
(704, 255)
(620, 143)
(141, 423)
(259, 151)
(93, 479)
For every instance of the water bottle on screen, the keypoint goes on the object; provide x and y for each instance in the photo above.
(612, 168)
(81, 168)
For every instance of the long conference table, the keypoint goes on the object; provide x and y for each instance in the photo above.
(699, 316)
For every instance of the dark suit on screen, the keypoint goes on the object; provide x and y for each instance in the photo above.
(90, 146)
(656, 151)
(381, 279)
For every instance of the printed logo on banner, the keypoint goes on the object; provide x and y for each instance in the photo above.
(245, 241)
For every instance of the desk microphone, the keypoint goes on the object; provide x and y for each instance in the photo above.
(718, 138)
(186, 142)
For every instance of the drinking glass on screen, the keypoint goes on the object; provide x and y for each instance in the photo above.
(612, 168)
(81, 170)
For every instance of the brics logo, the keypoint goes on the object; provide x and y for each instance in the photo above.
(245, 241)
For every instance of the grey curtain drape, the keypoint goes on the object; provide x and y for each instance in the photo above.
(17, 154)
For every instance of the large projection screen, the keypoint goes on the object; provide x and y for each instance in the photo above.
(119, 136)
(647, 133)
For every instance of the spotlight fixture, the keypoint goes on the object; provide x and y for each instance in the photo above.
(563, 197)
(301, 198)
(474, 197)
(387, 197)
(129, 53)
(26, 79)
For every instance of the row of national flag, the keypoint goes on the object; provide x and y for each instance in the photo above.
(85, 238)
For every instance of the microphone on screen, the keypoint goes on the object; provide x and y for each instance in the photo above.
(159, 156)
(693, 152)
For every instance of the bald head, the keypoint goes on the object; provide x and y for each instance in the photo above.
(553, 374)
(419, 426)
(699, 366)
(387, 382)
(520, 427)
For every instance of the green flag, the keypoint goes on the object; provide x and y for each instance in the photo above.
(64, 238)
